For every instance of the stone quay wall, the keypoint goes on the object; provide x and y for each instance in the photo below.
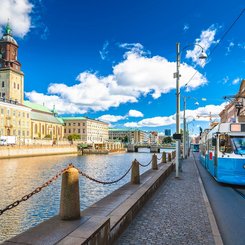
(102, 222)
(35, 150)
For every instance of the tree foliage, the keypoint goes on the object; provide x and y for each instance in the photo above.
(167, 140)
(74, 137)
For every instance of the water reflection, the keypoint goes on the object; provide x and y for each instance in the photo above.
(21, 176)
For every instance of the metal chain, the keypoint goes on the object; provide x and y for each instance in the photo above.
(145, 165)
(159, 158)
(103, 182)
(37, 190)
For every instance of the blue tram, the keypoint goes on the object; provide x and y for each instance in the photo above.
(195, 147)
(222, 152)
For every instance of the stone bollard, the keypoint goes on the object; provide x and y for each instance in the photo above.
(69, 200)
(154, 162)
(169, 157)
(164, 157)
(174, 154)
(135, 173)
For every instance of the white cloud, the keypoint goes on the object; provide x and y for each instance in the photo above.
(135, 113)
(62, 106)
(186, 27)
(136, 75)
(200, 114)
(18, 12)
(241, 45)
(236, 81)
(225, 80)
(205, 41)
(104, 52)
(230, 46)
(111, 118)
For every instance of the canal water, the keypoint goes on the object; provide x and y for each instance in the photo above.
(21, 176)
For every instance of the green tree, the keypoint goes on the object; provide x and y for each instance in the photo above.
(125, 139)
(74, 137)
(167, 140)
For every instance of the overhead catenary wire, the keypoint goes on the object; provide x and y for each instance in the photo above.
(221, 39)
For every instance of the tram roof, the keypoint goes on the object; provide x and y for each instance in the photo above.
(231, 128)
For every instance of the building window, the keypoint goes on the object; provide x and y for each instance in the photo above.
(69, 131)
(74, 124)
(27, 115)
(78, 124)
(79, 130)
(83, 124)
(18, 86)
(64, 131)
(3, 95)
(69, 124)
(84, 131)
(2, 84)
(14, 85)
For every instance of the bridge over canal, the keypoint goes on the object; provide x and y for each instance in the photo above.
(154, 148)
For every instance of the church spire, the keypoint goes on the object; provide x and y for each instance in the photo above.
(8, 30)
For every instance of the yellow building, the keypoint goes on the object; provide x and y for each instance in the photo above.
(133, 136)
(91, 131)
(14, 120)
(18, 118)
(44, 123)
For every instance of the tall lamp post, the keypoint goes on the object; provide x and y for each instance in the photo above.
(177, 76)
(184, 122)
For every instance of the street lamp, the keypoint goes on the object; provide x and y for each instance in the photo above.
(177, 76)
(188, 136)
(184, 122)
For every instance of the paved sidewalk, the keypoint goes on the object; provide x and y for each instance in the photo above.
(176, 214)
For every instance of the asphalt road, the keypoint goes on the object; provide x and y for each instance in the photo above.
(228, 204)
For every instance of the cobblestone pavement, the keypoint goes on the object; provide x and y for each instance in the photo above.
(176, 214)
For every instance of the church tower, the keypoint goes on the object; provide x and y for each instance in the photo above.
(11, 76)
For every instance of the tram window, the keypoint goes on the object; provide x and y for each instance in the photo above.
(239, 145)
(210, 145)
(214, 141)
(225, 145)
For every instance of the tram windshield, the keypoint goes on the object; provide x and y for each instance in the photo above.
(238, 145)
(230, 144)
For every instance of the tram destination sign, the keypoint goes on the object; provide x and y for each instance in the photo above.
(237, 127)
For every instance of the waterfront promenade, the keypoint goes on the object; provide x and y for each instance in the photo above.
(178, 213)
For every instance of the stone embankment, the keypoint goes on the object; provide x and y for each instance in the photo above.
(16, 151)
(35, 150)
(105, 220)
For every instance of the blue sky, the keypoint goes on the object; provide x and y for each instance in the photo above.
(114, 60)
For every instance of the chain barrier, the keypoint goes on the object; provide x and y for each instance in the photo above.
(47, 183)
(104, 182)
(145, 165)
(37, 190)
(159, 158)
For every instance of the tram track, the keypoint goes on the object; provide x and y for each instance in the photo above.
(242, 194)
